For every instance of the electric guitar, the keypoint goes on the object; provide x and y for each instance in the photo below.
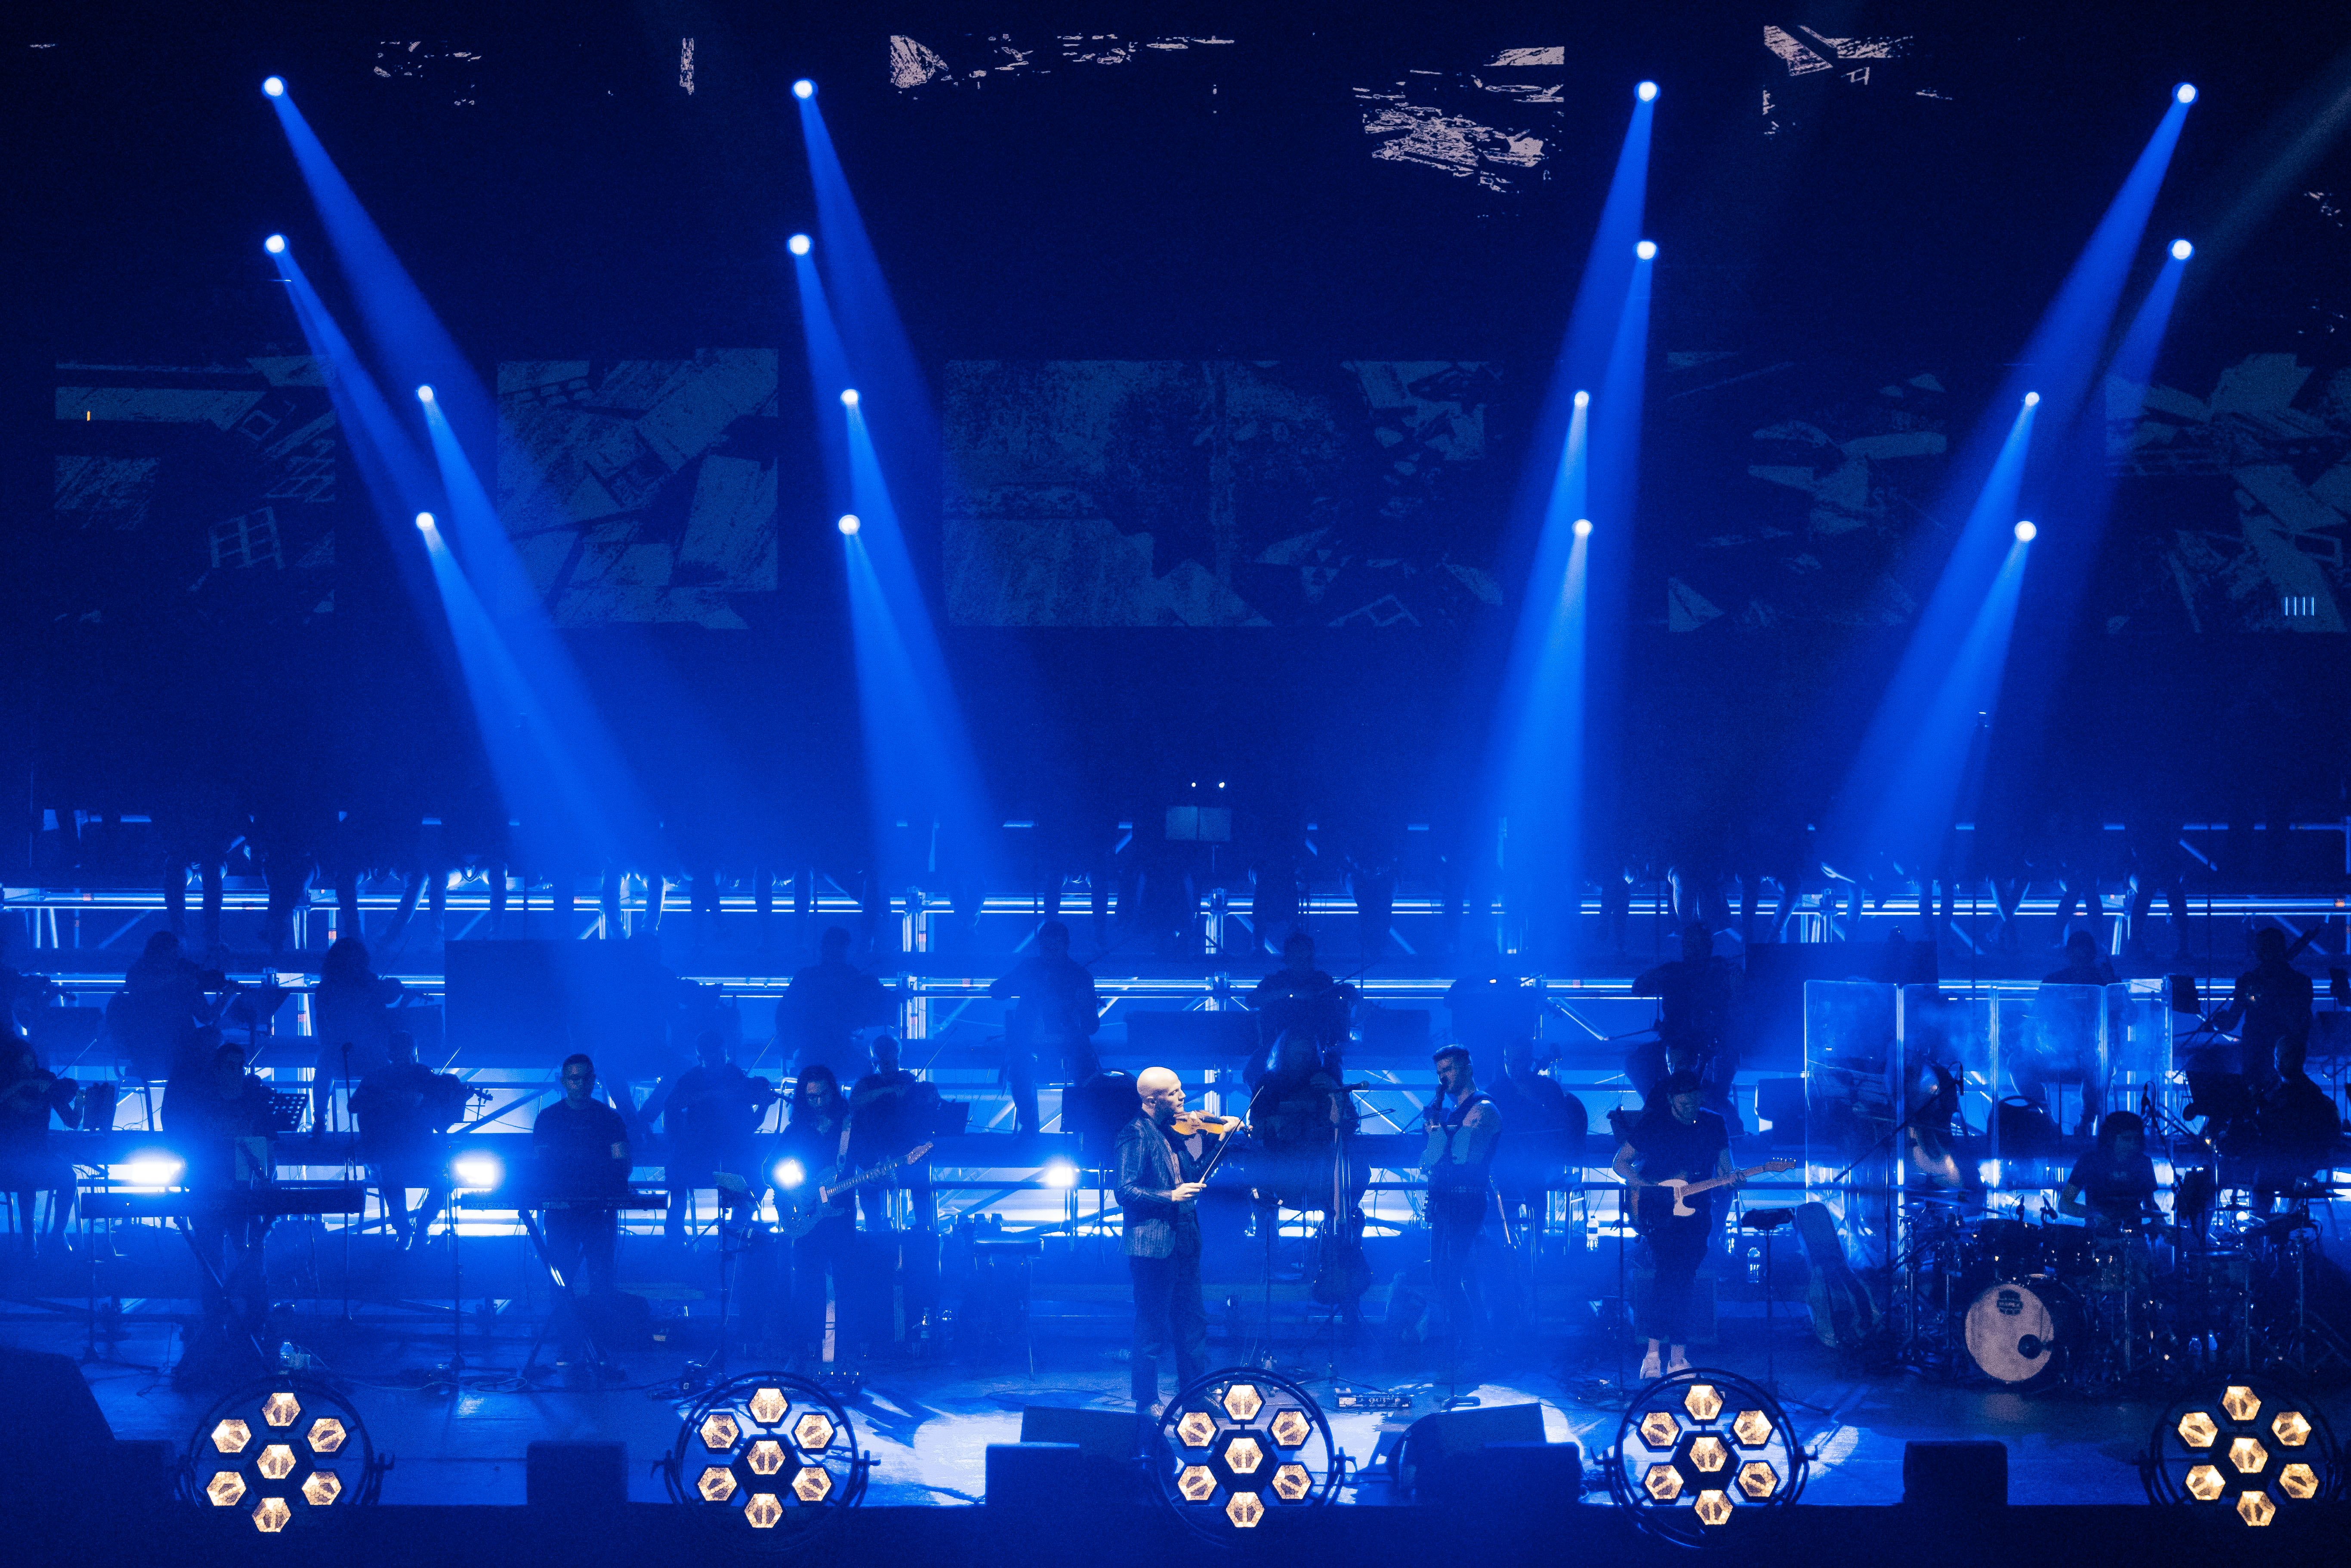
(1647, 1201)
(799, 1213)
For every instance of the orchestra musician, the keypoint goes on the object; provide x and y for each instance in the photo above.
(1053, 1020)
(1300, 999)
(1464, 1130)
(1695, 998)
(1680, 1140)
(402, 1109)
(29, 1092)
(224, 1123)
(827, 1004)
(1161, 1157)
(579, 1149)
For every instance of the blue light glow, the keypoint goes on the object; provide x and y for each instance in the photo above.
(2185, 92)
(1583, 528)
(804, 89)
(479, 1172)
(424, 394)
(1583, 400)
(276, 244)
(849, 398)
(2032, 399)
(1646, 92)
(1647, 250)
(797, 245)
(1061, 1173)
(789, 1174)
(849, 523)
(152, 1168)
(273, 86)
(2025, 532)
(424, 522)
(2181, 250)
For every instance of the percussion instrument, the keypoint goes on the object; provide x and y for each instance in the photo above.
(2019, 1331)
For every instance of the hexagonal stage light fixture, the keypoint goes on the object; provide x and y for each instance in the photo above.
(272, 1515)
(1243, 1402)
(813, 1431)
(763, 1511)
(2299, 1482)
(2291, 1428)
(1712, 1508)
(327, 1435)
(1758, 1479)
(716, 1485)
(1292, 1428)
(2205, 1485)
(767, 1406)
(1197, 1483)
(281, 1410)
(323, 1488)
(2198, 1429)
(1242, 1456)
(1659, 1429)
(1244, 1509)
(1196, 1428)
(1709, 1454)
(813, 1484)
(1702, 1402)
(226, 1488)
(2248, 1455)
(1291, 1483)
(231, 1436)
(2255, 1508)
(1663, 1482)
(767, 1457)
(275, 1463)
(2240, 1402)
(1754, 1429)
(719, 1433)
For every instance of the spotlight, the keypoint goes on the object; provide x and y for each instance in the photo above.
(2025, 532)
(849, 523)
(424, 522)
(1061, 1173)
(152, 1168)
(273, 86)
(797, 245)
(849, 398)
(288, 1453)
(1583, 528)
(424, 394)
(276, 244)
(2185, 92)
(766, 1463)
(1697, 1450)
(2181, 250)
(481, 1171)
(1646, 92)
(804, 89)
(1259, 1447)
(1647, 250)
(2032, 399)
(789, 1174)
(1582, 399)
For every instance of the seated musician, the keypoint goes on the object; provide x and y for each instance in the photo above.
(402, 1108)
(29, 1092)
(1300, 999)
(710, 1114)
(2297, 1129)
(1297, 1112)
(1548, 1127)
(224, 1123)
(581, 1151)
(2113, 1185)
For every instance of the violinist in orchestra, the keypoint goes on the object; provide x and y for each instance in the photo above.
(710, 1114)
(1163, 1158)
(402, 1108)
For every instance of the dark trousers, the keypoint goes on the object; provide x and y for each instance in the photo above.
(828, 1249)
(1020, 1081)
(1676, 1247)
(396, 1173)
(233, 1248)
(579, 1247)
(1168, 1317)
(1454, 1216)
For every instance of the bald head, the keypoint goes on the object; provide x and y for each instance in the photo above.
(1161, 1091)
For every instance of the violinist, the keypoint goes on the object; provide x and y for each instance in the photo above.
(1163, 1160)
(403, 1109)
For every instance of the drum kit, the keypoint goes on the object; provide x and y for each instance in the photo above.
(2042, 1305)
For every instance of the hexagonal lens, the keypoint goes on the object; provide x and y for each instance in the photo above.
(1242, 1456)
(1197, 1483)
(2248, 1455)
(1754, 1429)
(2299, 1482)
(1709, 1454)
(275, 1463)
(1659, 1429)
(767, 1457)
(1702, 1402)
(226, 1488)
(2291, 1428)
(767, 1406)
(327, 1435)
(719, 1432)
(813, 1431)
(1291, 1483)
(323, 1488)
(281, 1409)
(2240, 1402)
(716, 1485)
(1290, 1428)
(2255, 1508)
(1196, 1428)
(231, 1436)
(763, 1511)
(272, 1515)
(1244, 1509)
(1663, 1482)
(1758, 1479)
(2197, 1429)
(2205, 1485)
(1243, 1402)
(1712, 1508)
(811, 1484)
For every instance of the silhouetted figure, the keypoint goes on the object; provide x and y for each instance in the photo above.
(1053, 1020)
(30, 1092)
(710, 1114)
(1299, 997)
(828, 1003)
(352, 1016)
(402, 1108)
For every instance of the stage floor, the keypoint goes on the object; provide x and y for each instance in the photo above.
(929, 1426)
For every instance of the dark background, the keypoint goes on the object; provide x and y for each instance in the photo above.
(562, 196)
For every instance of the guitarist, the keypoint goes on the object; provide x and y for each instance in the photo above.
(1159, 1187)
(813, 1146)
(1678, 1141)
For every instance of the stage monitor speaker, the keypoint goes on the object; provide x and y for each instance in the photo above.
(1446, 1448)
(573, 1479)
(1955, 1478)
(51, 1429)
(1037, 1477)
(1098, 1434)
(1522, 1481)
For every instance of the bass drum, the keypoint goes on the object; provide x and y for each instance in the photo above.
(2019, 1331)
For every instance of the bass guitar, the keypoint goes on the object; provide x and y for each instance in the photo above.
(802, 1211)
(1650, 1202)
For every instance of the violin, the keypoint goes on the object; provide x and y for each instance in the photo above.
(1189, 1122)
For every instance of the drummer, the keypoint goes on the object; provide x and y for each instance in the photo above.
(2113, 1185)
